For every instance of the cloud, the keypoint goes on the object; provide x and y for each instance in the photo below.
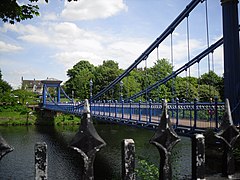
(6, 47)
(71, 58)
(88, 10)
(50, 16)
(68, 43)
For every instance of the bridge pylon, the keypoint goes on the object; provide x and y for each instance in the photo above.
(231, 56)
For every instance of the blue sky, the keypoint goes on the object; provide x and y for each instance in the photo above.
(120, 30)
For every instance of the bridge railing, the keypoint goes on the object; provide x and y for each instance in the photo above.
(190, 115)
(193, 115)
(64, 107)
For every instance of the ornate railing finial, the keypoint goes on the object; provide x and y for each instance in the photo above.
(4, 147)
(87, 142)
(165, 138)
(228, 134)
(86, 108)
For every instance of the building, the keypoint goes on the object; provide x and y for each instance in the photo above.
(35, 86)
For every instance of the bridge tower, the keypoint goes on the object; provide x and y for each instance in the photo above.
(51, 82)
(231, 56)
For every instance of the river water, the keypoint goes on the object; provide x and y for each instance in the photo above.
(65, 163)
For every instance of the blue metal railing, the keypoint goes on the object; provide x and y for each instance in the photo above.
(189, 115)
(192, 115)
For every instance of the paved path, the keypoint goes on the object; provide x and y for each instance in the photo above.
(156, 119)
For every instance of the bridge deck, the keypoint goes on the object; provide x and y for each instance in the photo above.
(145, 120)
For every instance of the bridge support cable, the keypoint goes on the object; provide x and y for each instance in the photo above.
(196, 59)
(198, 87)
(66, 95)
(188, 57)
(207, 31)
(207, 37)
(155, 44)
(146, 80)
(171, 44)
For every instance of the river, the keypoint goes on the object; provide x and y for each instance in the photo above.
(65, 163)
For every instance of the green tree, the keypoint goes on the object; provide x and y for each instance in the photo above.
(105, 74)
(5, 91)
(161, 69)
(214, 82)
(207, 92)
(23, 95)
(185, 89)
(132, 84)
(79, 78)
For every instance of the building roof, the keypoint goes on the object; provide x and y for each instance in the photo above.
(51, 81)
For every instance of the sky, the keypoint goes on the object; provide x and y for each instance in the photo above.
(98, 30)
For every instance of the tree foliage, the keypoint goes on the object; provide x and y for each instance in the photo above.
(12, 11)
(23, 95)
(5, 91)
(79, 78)
(204, 88)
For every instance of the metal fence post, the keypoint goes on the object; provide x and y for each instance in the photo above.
(128, 159)
(172, 110)
(184, 101)
(104, 109)
(109, 113)
(198, 157)
(150, 111)
(195, 113)
(122, 109)
(216, 112)
(177, 101)
(115, 108)
(99, 107)
(130, 109)
(139, 109)
(41, 161)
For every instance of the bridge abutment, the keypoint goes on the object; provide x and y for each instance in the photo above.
(45, 116)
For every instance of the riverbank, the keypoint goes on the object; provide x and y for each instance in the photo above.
(12, 116)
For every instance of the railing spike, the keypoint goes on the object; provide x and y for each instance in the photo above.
(86, 108)
(228, 134)
(4, 147)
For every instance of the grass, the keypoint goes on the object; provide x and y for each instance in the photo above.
(16, 118)
(67, 119)
(21, 115)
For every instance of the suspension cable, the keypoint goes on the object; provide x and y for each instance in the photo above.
(146, 79)
(207, 31)
(188, 57)
(207, 37)
(171, 41)
(198, 79)
(213, 62)
(157, 53)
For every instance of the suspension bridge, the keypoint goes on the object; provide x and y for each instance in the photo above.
(185, 116)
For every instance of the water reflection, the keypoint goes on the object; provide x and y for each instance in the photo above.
(65, 163)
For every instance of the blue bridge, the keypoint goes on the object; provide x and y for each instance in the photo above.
(185, 116)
